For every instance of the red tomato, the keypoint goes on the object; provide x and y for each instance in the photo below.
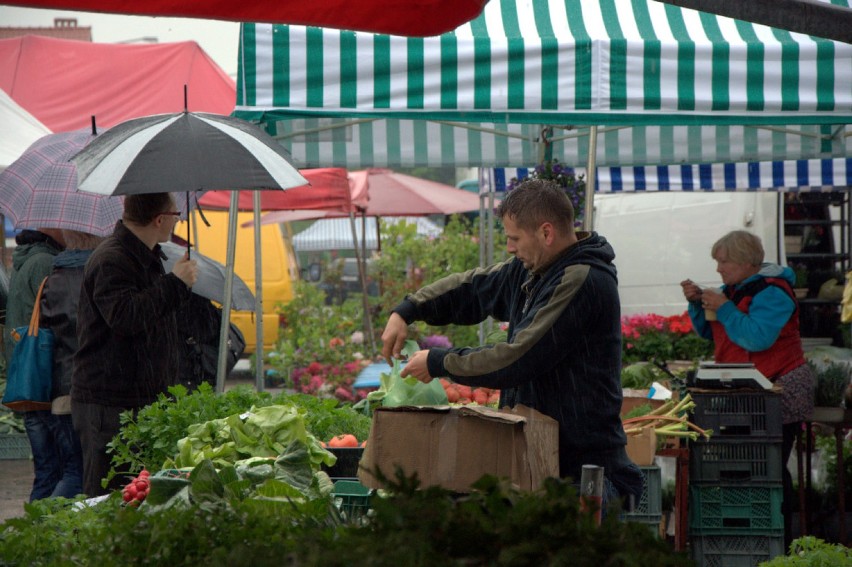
(344, 440)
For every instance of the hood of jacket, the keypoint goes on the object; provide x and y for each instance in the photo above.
(23, 252)
(769, 270)
(591, 249)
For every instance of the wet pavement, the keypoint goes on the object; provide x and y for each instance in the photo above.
(16, 480)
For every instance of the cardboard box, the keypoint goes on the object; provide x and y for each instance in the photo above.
(454, 447)
(642, 447)
(635, 398)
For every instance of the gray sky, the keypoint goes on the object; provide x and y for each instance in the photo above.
(219, 39)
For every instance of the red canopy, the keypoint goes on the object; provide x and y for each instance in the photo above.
(328, 190)
(400, 17)
(64, 83)
(389, 194)
(393, 194)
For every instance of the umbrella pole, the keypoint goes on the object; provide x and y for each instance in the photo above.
(258, 295)
(229, 288)
(188, 227)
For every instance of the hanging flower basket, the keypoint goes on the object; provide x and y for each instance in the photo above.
(563, 175)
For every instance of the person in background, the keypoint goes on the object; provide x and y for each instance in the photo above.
(59, 313)
(562, 355)
(757, 320)
(32, 261)
(126, 329)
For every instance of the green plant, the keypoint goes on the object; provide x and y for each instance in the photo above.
(810, 551)
(493, 525)
(801, 272)
(832, 378)
(149, 439)
(408, 262)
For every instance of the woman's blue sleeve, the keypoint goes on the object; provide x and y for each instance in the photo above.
(758, 329)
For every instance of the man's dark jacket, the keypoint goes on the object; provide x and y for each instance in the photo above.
(126, 325)
(563, 352)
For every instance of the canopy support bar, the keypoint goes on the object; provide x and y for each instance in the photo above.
(319, 129)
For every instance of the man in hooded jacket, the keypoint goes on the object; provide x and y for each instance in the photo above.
(562, 355)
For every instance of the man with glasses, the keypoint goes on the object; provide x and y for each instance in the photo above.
(127, 329)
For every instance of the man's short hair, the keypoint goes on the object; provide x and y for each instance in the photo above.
(143, 209)
(537, 201)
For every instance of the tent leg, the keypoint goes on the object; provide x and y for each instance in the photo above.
(258, 295)
(588, 208)
(368, 324)
(229, 287)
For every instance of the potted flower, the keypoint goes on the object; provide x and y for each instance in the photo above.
(800, 287)
(832, 380)
(574, 186)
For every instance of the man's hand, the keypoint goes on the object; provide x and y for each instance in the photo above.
(417, 367)
(186, 270)
(393, 337)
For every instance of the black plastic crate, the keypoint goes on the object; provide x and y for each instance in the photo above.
(734, 551)
(738, 414)
(732, 461)
(347, 462)
(736, 510)
(650, 504)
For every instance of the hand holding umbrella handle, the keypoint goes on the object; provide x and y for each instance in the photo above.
(186, 270)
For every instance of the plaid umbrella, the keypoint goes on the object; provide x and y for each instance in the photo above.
(39, 189)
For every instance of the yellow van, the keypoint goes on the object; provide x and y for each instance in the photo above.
(278, 264)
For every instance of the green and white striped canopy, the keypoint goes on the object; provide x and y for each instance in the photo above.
(665, 85)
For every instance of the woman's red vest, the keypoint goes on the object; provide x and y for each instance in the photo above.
(783, 356)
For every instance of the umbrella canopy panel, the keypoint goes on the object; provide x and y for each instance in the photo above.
(184, 152)
(39, 189)
(520, 83)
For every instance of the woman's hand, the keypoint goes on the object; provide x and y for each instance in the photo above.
(691, 291)
(711, 299)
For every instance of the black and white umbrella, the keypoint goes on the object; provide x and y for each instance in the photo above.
(185, 152)
(182, 152)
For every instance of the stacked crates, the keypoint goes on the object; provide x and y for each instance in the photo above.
(735, 482)
(649, 509)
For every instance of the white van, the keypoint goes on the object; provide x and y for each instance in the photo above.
(662, 238)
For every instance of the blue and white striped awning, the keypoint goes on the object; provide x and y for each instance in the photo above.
(800, 175)
(664, 85)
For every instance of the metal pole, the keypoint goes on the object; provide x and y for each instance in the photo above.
(258, 294)
(368, 325)
(229, 287)
(588, 208)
